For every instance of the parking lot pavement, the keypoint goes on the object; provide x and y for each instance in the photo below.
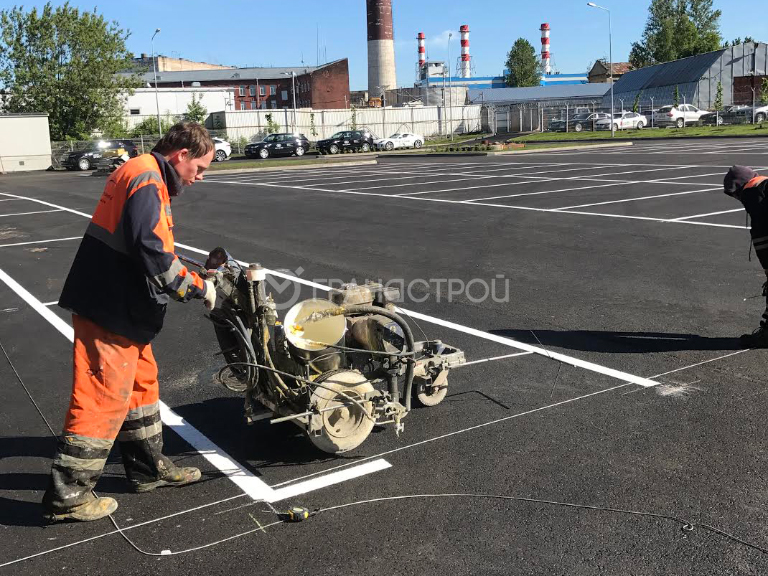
(609, 376)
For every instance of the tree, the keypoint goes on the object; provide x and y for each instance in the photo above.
(677, 29)
(636, 103)
(676, 97)
(312, 127)
(272, 126)
(764, 92)
(64, 62)
(719, 97)
(196, 112)
(524, 67)
(148, 126)
(353, 119)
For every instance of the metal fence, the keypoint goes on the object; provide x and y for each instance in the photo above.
(523, 118)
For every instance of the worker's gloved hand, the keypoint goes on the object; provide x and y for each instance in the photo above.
(210, 294)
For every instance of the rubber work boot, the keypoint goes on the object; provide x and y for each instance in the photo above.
(96, 509)
(169, 475)
(758, 338)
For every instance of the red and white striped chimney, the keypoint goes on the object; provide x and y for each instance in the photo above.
(422, 50)
(545, 48)
(466, 66)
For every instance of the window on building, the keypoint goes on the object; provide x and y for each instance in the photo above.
(242, 105)
(252, 91)
(242, 90)
(262, 91)
(274, 104)
(263, 105)
(273, 90)
(135, 111)
(253, 104)
(285, 94)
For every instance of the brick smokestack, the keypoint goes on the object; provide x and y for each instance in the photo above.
(381, 47)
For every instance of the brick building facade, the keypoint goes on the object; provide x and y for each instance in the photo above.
(317, 87)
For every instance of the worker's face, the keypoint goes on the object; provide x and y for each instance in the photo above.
(190, 169)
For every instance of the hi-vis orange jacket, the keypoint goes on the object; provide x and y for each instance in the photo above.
(755, 199)
(125, 269)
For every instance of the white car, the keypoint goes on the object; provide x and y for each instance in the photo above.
(622, 121)
(223, 150)
(400, 140)
(678, 116)
(761, 113)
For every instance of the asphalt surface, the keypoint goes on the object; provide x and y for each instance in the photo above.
(646, 273)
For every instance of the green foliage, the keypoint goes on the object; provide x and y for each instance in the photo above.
(115, 127)
(272, 126)
(636, 103)
(240, 144)
(148, 126)
(63, 62)
(312, 127)
(676, 97)
(736, 41)
(196, 112)
(764, 92)
(677, 29)
(719, 97)
(353, 120)
(524, 68)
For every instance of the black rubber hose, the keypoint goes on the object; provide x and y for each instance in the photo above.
(348, 310)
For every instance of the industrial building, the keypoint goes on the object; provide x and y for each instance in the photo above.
(319, 87)
(738, 69)
(381, 47)
(145, 103)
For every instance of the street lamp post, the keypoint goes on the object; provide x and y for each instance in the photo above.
(610, 57)
(293, 88)
(652, 112)
(450, 95)
(154, 69)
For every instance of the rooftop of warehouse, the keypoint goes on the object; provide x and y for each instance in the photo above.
(258, 73)
(533, 93)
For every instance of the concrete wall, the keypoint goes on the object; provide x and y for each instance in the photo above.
(25, 142)
(174, 101)
(424, 120)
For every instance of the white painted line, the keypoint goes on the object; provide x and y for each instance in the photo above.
(590, 187)
(504, 357)
(28, 213)
(41, 241)
(52, 318)
(51, 303)
(640, 198)
(329, 480)
(708, 214)
(44, 203)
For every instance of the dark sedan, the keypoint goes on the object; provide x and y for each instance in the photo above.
(278, 145)
(355, 140)
(87, 159)
(737, 114)
(578, 122)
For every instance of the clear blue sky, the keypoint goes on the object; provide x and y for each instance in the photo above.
(280, 33)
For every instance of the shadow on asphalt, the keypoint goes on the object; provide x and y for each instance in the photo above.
(620, 342)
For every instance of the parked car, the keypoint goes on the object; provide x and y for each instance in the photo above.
(678, 116)
(761, 113)
(223, 150)
(622, 121)
(356, 140)
(86, 159)
(400, 140)
(578, 122)
(737, 114)
(278, 145)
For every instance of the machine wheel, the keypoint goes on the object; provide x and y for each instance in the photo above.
(221, 155)
(299, 151)
(389, 146)
(640, 125)
(615, 127)
(578, 127)
(263, 153)
(760, 117)
(418, 144)
(333, 149)
(346, 427)
(366, 147)
(680, 123)
(436, 394)
(84, 164)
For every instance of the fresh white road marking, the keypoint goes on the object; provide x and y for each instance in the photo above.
(40, 241)
(504, 357)
(708, 214)
(28, 213)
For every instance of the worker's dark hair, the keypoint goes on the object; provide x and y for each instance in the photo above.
(189, 135)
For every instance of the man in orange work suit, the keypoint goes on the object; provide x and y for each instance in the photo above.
(129, 245)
